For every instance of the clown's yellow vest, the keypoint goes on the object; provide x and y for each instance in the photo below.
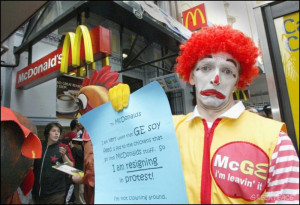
(240, 153)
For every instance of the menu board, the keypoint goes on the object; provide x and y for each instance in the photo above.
(67, 91)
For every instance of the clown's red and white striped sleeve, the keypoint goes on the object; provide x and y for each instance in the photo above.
(283, 182)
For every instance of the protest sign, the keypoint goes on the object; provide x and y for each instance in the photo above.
(136, 155)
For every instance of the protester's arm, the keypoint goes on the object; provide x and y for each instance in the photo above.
(283, 182)
(119, 96)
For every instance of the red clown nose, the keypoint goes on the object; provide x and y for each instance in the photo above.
(216, 80)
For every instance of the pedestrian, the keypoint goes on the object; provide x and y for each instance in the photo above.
(50, 184)
(75, 127)
(228, 154)
(252, 109)
(88, 168)
(78, 154)
(69, 196)
(267, 110)
(74, 192)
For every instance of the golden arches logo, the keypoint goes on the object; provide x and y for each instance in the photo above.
(74, 40)
(237, 94)
(194, 15)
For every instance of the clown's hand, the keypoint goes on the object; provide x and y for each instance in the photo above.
(119, 96)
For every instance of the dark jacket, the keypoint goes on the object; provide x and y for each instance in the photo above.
(78, 155)
(47, 180)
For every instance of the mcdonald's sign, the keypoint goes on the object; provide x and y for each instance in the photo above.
(195, 17)
(241, 95)
(86, 47)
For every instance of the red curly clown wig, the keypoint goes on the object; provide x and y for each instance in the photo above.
(219, 39)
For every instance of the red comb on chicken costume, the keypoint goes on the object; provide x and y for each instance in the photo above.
(104, 78)
(219, 39)
(94, 91)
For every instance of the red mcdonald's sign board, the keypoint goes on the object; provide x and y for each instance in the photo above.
(49, 66)
(195, 17)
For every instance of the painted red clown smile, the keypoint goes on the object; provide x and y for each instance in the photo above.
(213, 93)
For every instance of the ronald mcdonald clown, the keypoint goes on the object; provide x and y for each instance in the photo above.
(228, 154)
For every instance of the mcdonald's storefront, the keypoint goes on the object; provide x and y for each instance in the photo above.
(67, 41)
(140, 41)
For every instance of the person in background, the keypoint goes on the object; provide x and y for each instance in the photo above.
(78, 154)
(50, 184)
(75, 191)
(75, 127)
(229, 155)
(268, 111)
(69, 196)
(88, 168)
(252, 109)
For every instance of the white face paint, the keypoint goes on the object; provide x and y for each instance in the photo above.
(215, 77)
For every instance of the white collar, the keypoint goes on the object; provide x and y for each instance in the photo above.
(234, 112)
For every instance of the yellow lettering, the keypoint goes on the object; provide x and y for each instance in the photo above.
(260, 170)
(247, 167)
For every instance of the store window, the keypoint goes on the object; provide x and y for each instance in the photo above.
(176, 100)
(133, 83)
